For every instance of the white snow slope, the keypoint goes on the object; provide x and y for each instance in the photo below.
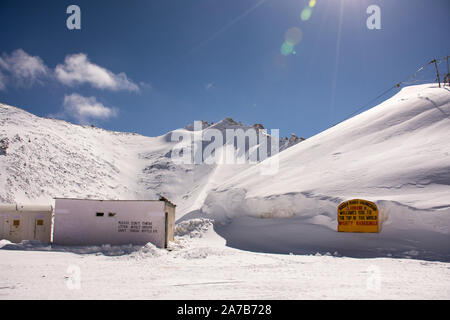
(396, 154)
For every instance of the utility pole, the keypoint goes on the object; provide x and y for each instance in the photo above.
(437, 72)
(447, 76)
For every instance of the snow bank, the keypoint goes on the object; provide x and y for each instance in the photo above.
(107, 250)
(194, 228)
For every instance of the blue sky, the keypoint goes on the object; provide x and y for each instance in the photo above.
(153, 66)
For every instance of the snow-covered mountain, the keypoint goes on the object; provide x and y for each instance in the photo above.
(45, 158)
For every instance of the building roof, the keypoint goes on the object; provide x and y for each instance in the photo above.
(119, 200)
(8, 207)
(166, 200)
(25, 208)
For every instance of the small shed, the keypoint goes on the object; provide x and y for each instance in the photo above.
(115, 222)
(25, 222)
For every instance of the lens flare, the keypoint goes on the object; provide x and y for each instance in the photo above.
(312, 3)
(306, 14)
(293, 35)
(287, 48)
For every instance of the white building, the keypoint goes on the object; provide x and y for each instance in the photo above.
(115, 222)
(25, 222)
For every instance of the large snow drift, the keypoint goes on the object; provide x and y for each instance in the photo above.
(396, 154)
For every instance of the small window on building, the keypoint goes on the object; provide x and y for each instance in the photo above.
(111, 214)
(40, 222)
(100, 214)
(16, 223)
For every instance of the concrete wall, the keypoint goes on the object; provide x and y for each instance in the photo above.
(19, 222)
(170, 209)
(123, 222)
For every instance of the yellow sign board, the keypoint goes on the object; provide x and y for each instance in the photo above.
(358, 216)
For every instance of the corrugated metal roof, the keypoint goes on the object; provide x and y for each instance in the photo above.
(25, 208)
(8, 207)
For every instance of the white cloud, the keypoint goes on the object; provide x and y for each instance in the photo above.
(145, 85)
(77, 69)
(22, 67)
(2, 81)
(84, 109)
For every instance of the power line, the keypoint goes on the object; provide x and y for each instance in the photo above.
(398, 85)
(368, 103)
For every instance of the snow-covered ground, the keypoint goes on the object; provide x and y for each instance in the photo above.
(202, 267)
(274, 237)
